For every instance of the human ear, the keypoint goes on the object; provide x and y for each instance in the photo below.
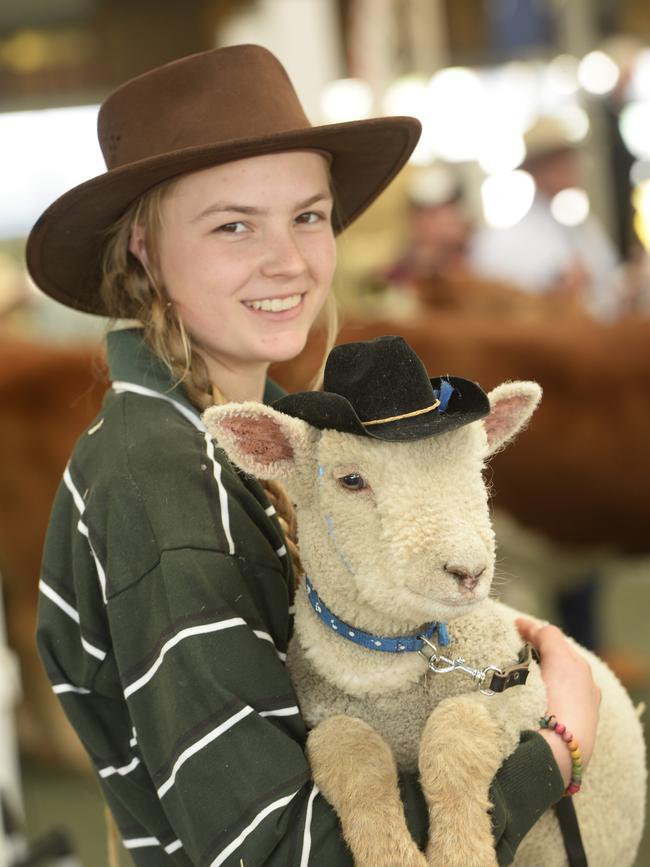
(137, 244)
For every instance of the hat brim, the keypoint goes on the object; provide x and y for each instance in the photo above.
(329, 411)
(64, 248)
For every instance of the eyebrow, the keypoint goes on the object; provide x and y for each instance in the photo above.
(231, 208)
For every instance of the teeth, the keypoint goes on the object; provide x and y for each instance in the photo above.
(275, 305)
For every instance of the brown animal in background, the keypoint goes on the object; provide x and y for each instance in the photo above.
(47, 397)
(581, 474)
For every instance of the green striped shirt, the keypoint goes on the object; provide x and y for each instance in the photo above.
(164, 621)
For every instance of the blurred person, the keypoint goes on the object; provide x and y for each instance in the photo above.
(541, 255)
(434, 269)
(168, 576)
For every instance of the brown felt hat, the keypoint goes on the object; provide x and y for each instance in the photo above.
(195, 112)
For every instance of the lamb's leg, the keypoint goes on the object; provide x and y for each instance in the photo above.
(355, 770)
(458, 760)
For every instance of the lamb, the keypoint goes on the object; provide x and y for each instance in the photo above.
(394, 531)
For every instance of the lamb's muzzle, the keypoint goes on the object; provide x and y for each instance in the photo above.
(467, 578)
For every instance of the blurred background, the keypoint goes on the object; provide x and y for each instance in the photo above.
(514, 245)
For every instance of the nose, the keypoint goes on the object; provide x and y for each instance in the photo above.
(467, 578)
(284, 257)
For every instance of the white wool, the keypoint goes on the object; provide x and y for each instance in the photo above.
(383, 560)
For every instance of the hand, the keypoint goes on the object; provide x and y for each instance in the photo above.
(572, 695)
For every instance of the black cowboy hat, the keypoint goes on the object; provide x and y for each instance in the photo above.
(379, 388)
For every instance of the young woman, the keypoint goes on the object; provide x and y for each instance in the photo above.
(167, 580)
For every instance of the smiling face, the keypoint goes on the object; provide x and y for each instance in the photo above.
(246, 254)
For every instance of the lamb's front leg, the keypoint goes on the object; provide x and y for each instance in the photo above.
(355, 770)
(459, 757)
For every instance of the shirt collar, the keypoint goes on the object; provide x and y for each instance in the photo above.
(131, 360)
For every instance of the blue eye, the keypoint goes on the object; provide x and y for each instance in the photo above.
(353, 482)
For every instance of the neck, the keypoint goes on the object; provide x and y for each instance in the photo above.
(237, 383)
(376, 641)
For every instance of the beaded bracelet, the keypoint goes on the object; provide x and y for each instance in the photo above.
(551, 722)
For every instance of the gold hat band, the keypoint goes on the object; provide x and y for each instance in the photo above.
(405, 415)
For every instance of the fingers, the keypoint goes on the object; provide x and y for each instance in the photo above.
(543, 636)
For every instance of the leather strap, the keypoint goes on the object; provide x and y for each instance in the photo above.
(514, 675)
(566, 815)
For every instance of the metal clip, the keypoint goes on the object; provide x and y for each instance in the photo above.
(440, 664)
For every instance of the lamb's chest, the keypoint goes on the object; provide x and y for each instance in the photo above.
(398, 715)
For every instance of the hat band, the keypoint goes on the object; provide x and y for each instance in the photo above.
(415, 412)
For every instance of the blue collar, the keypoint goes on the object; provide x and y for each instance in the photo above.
(403, 644)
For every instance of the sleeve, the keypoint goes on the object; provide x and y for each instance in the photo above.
(527, 784)
(218, 730)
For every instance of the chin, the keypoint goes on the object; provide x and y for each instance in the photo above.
(447, 610)
(286, 348)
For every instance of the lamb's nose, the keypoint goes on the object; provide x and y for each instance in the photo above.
(467, 578)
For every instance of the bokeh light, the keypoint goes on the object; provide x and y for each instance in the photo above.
(346, 99)
(507, 198)
(570, 206)
(634, 124)
(597, 73)
(59, 148)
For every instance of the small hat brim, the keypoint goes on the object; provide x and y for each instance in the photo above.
(64, 248)
(329, 411)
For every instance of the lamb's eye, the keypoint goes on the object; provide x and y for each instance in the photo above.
(353, 482)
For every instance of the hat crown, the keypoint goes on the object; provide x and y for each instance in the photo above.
(210, 98)
(381, 378)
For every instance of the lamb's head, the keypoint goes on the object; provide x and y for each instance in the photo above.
(398, 533)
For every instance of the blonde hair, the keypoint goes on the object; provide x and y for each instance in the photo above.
(131, 289)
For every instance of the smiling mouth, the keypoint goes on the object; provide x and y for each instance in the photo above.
(274, 305)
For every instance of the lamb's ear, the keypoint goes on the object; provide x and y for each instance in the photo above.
(511, 406)
(260, 440)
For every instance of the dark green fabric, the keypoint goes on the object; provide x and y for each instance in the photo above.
(176, 682)
(520, 794)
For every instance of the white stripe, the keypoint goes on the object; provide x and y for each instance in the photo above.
(173, 847)
(282, 711)
(123, 771)
(92, 650)
(281, 551)
(94, 429)
(100, 571)
(256, 821)
(141, 842)
(266, 637)
(76, 496)
(184, 633)
(68, 687)
(306, 837)
(223, 496)
(270, 511)
(193, 417)
(200, 744)
(51, 594)
(83, 529)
